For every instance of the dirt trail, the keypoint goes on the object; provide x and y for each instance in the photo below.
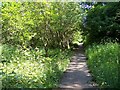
(77, 74)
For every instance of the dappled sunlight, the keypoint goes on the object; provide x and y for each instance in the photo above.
(77, 74)
(39, 38)
(30, 69)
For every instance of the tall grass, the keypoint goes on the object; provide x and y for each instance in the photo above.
(30, 69)
(103, 61)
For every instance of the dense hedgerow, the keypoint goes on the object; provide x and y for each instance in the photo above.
(28, 68)
(103, 61)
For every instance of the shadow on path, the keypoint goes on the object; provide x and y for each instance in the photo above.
(77, 74)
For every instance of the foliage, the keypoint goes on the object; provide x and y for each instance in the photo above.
(48, 24)
(28, 68)
(27, 25)
(77, 37)
(103, 61)
(51, 25)
(101, 23)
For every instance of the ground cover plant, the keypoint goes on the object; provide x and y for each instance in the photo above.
(30, 68)
(103, 62)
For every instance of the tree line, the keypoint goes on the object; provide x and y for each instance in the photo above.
(47, 24)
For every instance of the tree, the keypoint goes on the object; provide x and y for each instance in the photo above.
(46, 24)
(100, 23)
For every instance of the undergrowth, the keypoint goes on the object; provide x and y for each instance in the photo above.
(29, 68)
(103, 61)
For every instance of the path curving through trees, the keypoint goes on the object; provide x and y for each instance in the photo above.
(77, 74)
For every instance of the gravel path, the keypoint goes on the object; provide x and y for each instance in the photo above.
(77, 74)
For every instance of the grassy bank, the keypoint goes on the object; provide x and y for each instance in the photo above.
(29, 68)
(103, 61)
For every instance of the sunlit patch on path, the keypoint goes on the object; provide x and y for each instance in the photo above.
(77, 74)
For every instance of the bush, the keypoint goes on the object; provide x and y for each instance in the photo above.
(28, 68)
(103, 61)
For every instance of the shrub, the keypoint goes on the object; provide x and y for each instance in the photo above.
(28, 68)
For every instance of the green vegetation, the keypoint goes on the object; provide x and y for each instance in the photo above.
(35, 42)
(50, 25)
(103, 61)
(30, 69)
(101, 34)
(37, 38)
(102, 23)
